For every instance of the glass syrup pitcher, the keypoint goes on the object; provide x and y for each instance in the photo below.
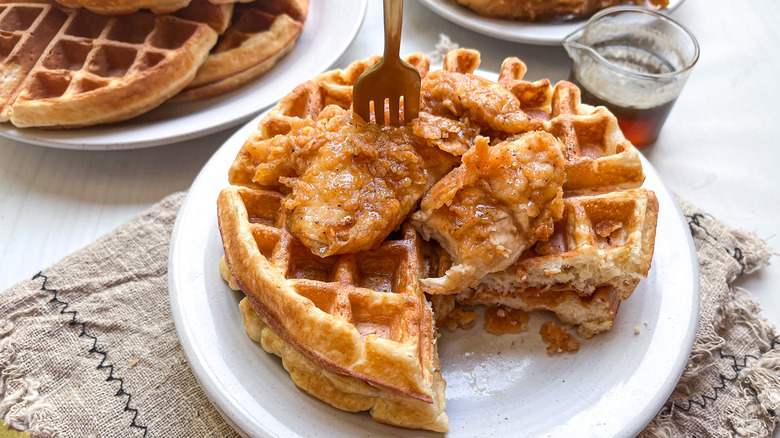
(635, 62)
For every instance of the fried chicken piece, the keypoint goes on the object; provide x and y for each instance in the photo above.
(352, 183)
(498, 203)
(262, 162)
(453, 136)
(478, 99)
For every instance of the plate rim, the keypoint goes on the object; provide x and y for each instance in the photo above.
(68, 139)
(240, 419)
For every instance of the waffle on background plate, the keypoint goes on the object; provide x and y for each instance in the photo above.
(89, 63)
(541, 10)
(357, 330)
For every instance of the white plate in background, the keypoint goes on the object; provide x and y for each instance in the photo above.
(328, 31)
(542, 33)
(496, 385)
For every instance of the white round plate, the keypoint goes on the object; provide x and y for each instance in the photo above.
(496, 385)
(329, 30)
(551, 33)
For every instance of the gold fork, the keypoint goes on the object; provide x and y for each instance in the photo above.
(390, 80)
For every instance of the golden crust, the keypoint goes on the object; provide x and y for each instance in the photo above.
(344, 392)
(351, 182)
(306, 101)
(500, 201)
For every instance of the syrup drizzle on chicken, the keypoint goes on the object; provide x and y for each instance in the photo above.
(499, 202)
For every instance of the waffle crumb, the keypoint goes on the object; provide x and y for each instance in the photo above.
(500, 320)
(557, 340)
(459, 318)
(133, 362)
(637, 330)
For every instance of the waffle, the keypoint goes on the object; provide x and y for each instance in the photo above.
(597, 253)
(344, 392)
(358, 315)
(123, 7)
(76, 68)
(261, 33)
(597, 155)
(216, 15)
(540, 10)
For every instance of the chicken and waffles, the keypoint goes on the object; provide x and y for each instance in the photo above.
(352, 242)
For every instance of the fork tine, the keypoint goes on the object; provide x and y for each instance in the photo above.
(389, 80)
(411, 107)
(393, 108)
(379, 110)
(363, 109)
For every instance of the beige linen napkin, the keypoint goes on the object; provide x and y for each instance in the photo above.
(88, 346)
(731, 384)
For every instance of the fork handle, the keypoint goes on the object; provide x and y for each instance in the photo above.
(394, 10)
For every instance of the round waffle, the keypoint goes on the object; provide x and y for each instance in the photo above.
(319, 313)
(70, 68)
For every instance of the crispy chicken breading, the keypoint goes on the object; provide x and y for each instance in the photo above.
(453, 136)
(499, 202)
(352, 183)
(480, 100)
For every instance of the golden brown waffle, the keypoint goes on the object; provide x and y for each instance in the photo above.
(595, 258)
(344, 392)
(607, 222)
(533, 10)
(261, 33)
(76, 68)
(597, 154)
(605, 239)
(358, 315)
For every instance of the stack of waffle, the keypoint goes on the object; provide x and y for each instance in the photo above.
(357, 330)
(76, 63)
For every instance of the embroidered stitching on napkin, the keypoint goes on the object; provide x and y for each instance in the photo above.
(120, 341)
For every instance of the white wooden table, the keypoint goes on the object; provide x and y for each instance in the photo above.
(719, 148)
